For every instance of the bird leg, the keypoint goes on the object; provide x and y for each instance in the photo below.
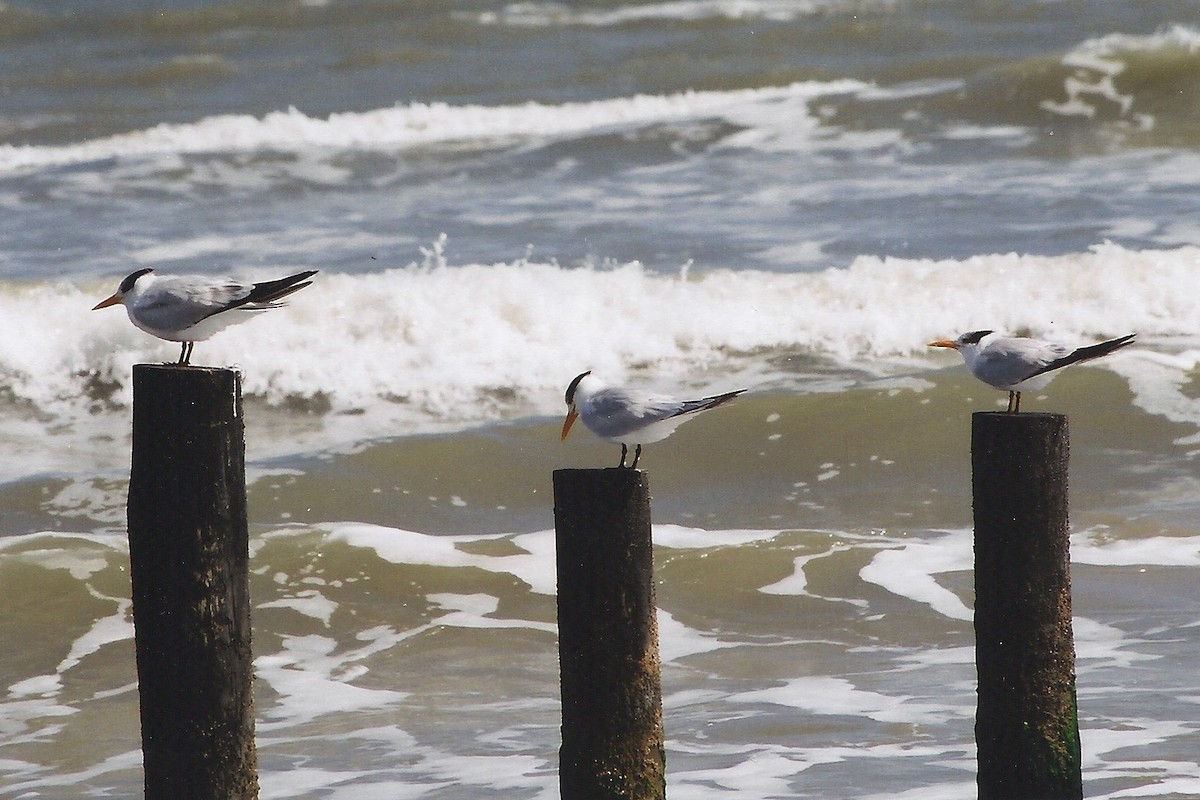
(185, 353)
(624, 452)
(1011, 395)
(637, 453)
(1017, 405)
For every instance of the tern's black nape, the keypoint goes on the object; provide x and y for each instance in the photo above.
(130, 279)
(570, 395)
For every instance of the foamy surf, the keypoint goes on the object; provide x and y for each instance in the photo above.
(437, 347)
(352, 617)
(534, 14)
(1092, 89)
(415, 125)
(433, 345)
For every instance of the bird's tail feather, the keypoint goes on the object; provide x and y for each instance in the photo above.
(1087, 353)
(703, 404)
(271, 291)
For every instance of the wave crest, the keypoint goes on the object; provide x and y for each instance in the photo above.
(434, 343)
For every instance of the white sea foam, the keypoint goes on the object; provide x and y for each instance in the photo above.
(681, 538)
(36, 779)
(80, 554)
(828, 695)
(797, 582)
(309, 675)
(677, 640)
(435, 346)
(1097, 63)
(309, 602)
(535, 566)
(759, 771)
(909, 571)
(316, 695)
(105, 630)
(402, 127)
(548, 14)
(476, 610)
(762, 771)
(1100, 646)
(1098, 548)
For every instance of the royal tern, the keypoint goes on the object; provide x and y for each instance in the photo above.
(190, 308)
(1020, 364)
(618, 415)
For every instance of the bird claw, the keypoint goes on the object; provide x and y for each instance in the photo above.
(637, 454)
(185, 354)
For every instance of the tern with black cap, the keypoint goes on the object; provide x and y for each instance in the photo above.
(1017, 364)
(191, 308)
(622, 416)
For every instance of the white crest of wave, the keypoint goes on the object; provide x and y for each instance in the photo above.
(400, 127)
(424, 346)
(1172, 37)
(1097, 62)
(548, 14)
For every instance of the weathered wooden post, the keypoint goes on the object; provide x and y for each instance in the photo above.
(189, 564)
(612, 731)
(1026, 726)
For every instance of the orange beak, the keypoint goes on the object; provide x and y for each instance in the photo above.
(111, 301)
(572, 415)
(944, 343)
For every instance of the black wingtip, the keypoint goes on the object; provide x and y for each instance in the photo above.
(270, 291)
(1103, 348)
(717, 399)
(1088, 353)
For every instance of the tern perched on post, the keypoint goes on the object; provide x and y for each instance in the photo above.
(616, 414)
(190, 308)
(1020, 364)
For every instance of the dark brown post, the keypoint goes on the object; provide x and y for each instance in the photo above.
(612, 732)
(189, 559)
(1026, 728)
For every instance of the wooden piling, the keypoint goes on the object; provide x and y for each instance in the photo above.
(612, 731)
(189, 564)
(1026, 727)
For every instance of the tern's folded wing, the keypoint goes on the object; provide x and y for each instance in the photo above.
(614, 412)
(1007, 362)
(178, 305)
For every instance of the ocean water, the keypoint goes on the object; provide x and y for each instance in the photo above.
(792, 196)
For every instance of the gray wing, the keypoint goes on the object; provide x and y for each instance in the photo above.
(179, 303)
(1006, 362)
(615, 412)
